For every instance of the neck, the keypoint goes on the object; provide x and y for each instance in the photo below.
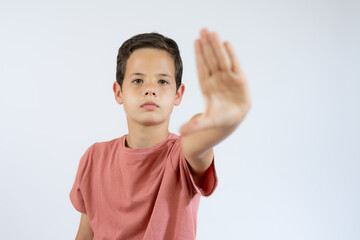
(146, 136)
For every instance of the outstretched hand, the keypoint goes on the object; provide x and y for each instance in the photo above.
(223, 84)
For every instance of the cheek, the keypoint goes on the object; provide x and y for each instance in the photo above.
(169, 93)
(129, 99)
(170, 99)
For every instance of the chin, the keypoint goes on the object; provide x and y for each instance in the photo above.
(151, 121)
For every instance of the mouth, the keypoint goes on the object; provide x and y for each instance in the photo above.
(149, 106)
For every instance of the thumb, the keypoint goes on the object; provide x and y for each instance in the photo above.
(196, 123)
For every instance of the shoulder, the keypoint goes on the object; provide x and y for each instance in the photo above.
(96, 151)
(174, 141)
(174, 138)
(96, 154)
(105, 146)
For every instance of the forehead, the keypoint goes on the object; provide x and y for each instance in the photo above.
(150, 61)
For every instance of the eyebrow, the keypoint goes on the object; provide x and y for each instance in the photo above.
(160, 74)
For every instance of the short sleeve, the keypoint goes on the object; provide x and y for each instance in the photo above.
(77, 194)
(208, 182)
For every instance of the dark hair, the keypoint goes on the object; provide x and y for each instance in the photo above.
(148, 40)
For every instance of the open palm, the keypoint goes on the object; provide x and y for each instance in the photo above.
(223, 84)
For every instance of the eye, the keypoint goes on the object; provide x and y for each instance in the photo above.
(136, 81)
(163, 82)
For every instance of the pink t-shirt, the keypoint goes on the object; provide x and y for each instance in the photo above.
(139, 194)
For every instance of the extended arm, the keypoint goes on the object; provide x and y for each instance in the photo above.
(227, 101)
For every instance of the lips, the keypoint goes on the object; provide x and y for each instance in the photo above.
(149, 105)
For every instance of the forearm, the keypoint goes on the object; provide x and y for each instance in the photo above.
(200, 142)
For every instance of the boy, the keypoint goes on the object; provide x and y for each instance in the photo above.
(147, 184)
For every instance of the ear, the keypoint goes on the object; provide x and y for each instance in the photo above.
(117, 92)
(179, 94)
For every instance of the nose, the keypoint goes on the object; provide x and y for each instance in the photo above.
(150, 90)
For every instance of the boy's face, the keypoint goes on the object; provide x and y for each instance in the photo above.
(149, 77)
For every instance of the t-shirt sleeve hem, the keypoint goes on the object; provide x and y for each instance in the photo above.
(209, 180)
(76, 203)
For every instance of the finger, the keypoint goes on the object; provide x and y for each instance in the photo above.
(202, 69)
(221, 53)
(209, 54)
(235, 65)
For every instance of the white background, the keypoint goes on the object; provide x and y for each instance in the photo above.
(291, 169)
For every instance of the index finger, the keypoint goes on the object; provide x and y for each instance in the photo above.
(235, 65)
